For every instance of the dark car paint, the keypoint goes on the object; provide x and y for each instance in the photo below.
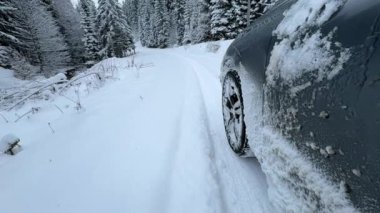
(350, 102)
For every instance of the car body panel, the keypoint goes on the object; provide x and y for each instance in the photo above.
(342, 115)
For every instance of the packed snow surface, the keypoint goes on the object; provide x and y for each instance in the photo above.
(151, 139)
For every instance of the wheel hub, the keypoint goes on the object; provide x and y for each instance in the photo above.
(233, 113)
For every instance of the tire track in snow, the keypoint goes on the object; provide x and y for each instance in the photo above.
(172, 145)
(173, 156)
(210, 147)
(224, 168)
(193, 96)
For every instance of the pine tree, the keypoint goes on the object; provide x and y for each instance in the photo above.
(87, 10)
(203, 30)
(105, 19)
(7, 29)
(240, 13)
(68, 20)
(188, 21)
(46, 47)
(161, 24)
(229, 18)
(130, 10)
(179, 20)
(15, 40)
(7, 32)
(221, 17)
(147, 24)
(123, 36)
(144, 22)
(194, 21)
(113, 29)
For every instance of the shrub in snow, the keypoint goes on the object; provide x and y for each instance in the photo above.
(10, 144)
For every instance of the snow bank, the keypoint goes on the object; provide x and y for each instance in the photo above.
(15, 93)
(301, 52)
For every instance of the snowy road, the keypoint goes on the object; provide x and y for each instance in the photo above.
(152, 141)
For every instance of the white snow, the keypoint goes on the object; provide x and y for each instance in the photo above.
(151, 139)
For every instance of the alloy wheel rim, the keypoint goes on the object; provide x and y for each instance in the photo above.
(233, 113)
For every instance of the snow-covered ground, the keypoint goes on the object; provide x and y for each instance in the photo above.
(151, 139)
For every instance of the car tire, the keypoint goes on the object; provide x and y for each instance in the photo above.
(233, 114)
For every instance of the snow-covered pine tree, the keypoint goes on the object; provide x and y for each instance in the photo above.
(151, 36)
(194, 21)
(14, 41)
(144, 22)
(114, 33)
(170, 4)
(189, 20)
(160, 24)
(178, 15)
(46, 48)
(7, 28)
(7, 31)
(87, 10)
(68, 20)
(203, 30)
(130, 10)
(105, 21)
(240, 11)
(221, 17)
(123, 36)
(147, 24)
(229, 18)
